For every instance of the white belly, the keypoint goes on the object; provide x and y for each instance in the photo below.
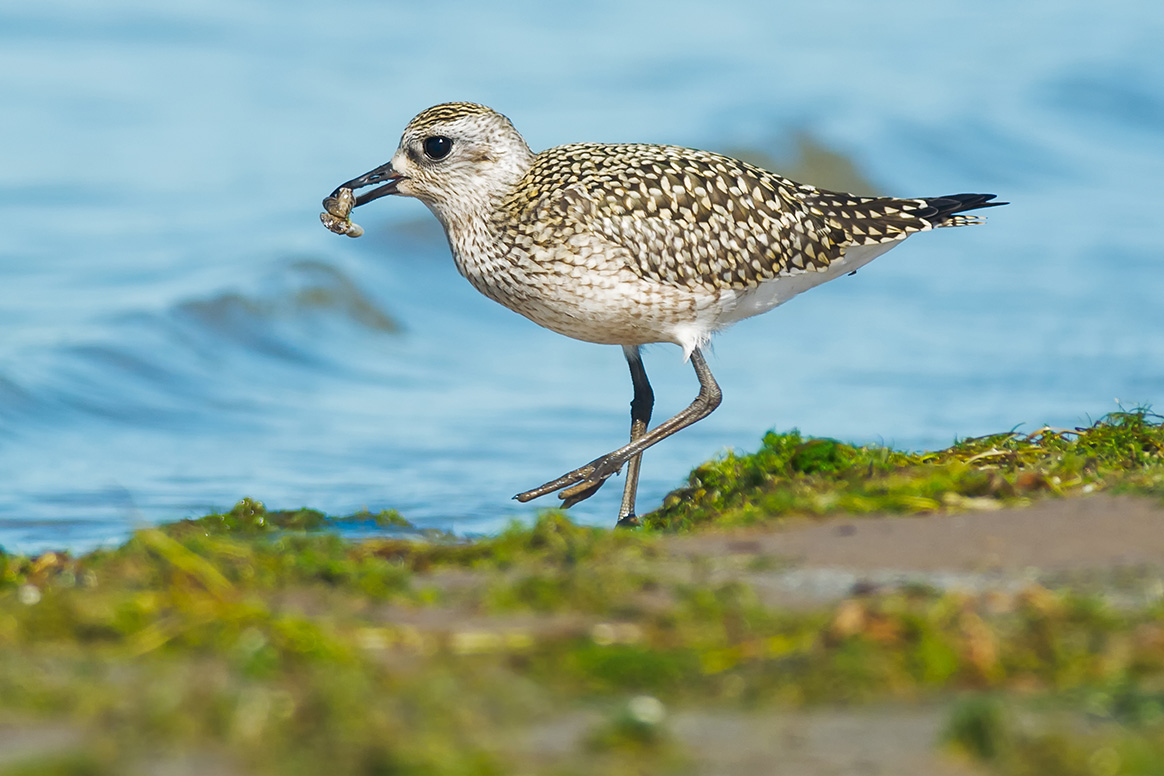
(777, 291)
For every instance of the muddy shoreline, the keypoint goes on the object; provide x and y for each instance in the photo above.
(813, 608)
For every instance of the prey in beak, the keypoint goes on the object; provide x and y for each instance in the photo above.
(339, 204)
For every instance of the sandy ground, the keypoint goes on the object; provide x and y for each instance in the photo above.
(1112, 545)
(880, 741)
(1109, 545)
(1059, 534)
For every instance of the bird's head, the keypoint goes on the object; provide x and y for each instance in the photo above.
(458, 158)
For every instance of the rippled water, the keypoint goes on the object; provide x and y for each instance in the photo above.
(178, 331)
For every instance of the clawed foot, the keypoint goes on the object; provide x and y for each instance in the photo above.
(580, 484)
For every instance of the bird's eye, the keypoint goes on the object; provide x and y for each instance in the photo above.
(437, 147)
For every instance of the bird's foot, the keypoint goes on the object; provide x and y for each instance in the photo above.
(580, 484)
(629, 521)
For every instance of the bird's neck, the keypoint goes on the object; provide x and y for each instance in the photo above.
(479, 194)
(478, 250)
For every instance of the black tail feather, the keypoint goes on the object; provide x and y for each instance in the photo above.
(941, 208)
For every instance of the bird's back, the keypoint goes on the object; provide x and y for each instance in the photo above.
(703, 239)
(699, 219)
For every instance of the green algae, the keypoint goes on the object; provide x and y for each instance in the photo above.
(166, 642)
(250, 516)
(191, 657)
(792, 475)
(1100, 731)
(262, 641)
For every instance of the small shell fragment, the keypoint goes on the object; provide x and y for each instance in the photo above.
(338, 216)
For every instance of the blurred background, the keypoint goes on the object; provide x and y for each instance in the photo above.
(177, 330)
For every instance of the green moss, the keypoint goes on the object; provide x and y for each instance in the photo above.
(249, 516)
(71, 764)
(1062, 734)
(794, 475)
(273, 649)
(267, 642)
(637, 732)
(980, 727)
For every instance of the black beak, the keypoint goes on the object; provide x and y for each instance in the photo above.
(382, 173)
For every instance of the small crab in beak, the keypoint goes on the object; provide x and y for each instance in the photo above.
(338, 206)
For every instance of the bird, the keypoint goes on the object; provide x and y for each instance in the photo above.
(631, 244)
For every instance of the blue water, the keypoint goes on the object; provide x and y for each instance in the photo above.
(177, 330)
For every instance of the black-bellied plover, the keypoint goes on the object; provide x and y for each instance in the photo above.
(630, 244)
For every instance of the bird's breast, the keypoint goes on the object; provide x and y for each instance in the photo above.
(576, 285)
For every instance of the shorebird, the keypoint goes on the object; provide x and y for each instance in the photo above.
(631, 244)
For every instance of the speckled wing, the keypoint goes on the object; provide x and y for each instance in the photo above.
(683, 217)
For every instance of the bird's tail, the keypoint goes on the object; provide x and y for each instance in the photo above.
(872, 220)
(946, 211)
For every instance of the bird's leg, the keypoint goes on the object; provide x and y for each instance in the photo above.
(641, 406)
(584, 481)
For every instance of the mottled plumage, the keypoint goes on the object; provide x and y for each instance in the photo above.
(630, 244)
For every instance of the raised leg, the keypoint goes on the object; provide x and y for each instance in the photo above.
(583, 482)
(641, 406)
